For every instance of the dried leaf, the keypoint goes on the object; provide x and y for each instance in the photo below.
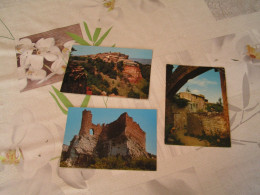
(103, 37)
(246, 91)
(78, 39)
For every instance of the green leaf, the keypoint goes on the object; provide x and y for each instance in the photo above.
(63, 98)
(85, 101)
(114, 45)
(96, 34)
(103, 37)
(87, 31)
(78, 39)
(56, 100)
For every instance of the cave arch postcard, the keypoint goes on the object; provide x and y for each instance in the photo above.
(108, 71)
(196, 112)
(106, 138)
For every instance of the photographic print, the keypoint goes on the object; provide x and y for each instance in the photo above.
(196, 112)
(108, 71)
(42, 58)
(103, 138)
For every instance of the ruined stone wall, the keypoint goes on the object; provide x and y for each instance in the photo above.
(179, 116)
(210, 124)
(86, 123)
(134, 132)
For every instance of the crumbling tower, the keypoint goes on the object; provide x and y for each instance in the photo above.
(86, 123)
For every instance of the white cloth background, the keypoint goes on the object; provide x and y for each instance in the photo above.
(178, 32)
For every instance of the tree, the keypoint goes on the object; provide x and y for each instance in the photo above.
(115, 91)
(120, 66)
(187, 89)
(132, 94)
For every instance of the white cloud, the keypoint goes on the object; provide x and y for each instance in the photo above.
(202, 82)
(195, 91)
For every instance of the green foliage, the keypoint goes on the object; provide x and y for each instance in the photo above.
(145, 71)
(145, 89)
(132, 94)
(78, 39)
(118, 162)
(180, 102)
(115, 91)
(93, 39)
(120, 66)
(66, 101)
(214, 108)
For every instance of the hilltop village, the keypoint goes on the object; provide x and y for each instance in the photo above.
(110, 73)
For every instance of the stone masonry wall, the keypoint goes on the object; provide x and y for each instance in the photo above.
(134, 131)
(210, 124)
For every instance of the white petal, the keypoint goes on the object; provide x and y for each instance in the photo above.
(72, 177)
(49, 56)
(57, 65)
(38, 148)
(36, 62)
(20, 72)
(6, 131)
(36, 75)
(25, 41)
(23, 45)
(39, 43)
(69, 44)
(23, 117)
(24, 59)
(45, 43)
(55, 50)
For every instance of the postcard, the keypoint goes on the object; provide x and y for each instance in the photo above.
(196, 112)
(104, 138)
(42, 58)
(108, 71)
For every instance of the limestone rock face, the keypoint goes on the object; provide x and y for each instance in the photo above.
(132, 73)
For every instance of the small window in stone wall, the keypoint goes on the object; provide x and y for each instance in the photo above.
(91, 132)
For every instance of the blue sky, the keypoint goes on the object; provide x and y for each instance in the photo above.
(207, 84)
(133, 53)
(146, 118)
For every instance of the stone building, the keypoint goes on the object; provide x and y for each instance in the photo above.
(122, 137)
(196, 102)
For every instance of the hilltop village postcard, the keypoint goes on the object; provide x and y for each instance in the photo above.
(196, 112)
(108, 71)
(103, 138)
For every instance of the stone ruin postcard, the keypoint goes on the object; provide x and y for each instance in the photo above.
(108, 71)
(196, 112)
(103, 138)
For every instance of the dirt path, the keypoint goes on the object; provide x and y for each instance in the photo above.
(190, 141)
